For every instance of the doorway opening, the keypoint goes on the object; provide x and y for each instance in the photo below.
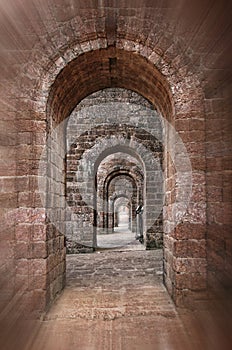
(122, 217)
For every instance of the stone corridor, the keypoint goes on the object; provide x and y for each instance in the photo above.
(115, 113)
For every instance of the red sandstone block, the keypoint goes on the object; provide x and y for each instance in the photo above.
(213, 125)
(25, 137)
(22, 250)
(40, 138)
(211, 137)
(25, 199)
(8, 184)
(198, 163)
(8, 167)
(192, 136)
(38, 282)
(198, 193)
(27, 167)
(23, 232)
(189, 265)
(31, 196)
(214, 163)
(212, 148)
(182, 124)
(61, 242)
(27, 215)
(9, 126)
(193, 281)
(197, 148)
(189, 106)
(189, 231)
(39, 232)
(189, 249)
(56, 244)
(22, 267)
(197, 124)
(22, 183)
(214, 179)
(37, 152)
(37, 201)
(38, 215)
(38, 250)
(214, 194)
(50, 229)
(8, 200)
(228, 267)
(24, 152)
(38, 266)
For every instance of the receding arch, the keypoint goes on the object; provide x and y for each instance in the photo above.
(145, 81)
(121, 200)
(111, 197)
(117, 165)
(111, 67)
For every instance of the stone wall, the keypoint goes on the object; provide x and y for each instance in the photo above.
(219, 193)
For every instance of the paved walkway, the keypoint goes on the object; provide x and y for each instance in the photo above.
(114, 300)
(121, 238)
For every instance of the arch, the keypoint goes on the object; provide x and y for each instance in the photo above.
(109, 168)
(154, 87)
(107, 68)
(116, 206)
(111, 197)
(102, 150)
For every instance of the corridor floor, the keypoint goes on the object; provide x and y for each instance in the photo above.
(120, 239)
(113, 300)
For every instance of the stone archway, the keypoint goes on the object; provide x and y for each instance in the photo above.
(159, 94)
(132, 195)
(121, 201)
